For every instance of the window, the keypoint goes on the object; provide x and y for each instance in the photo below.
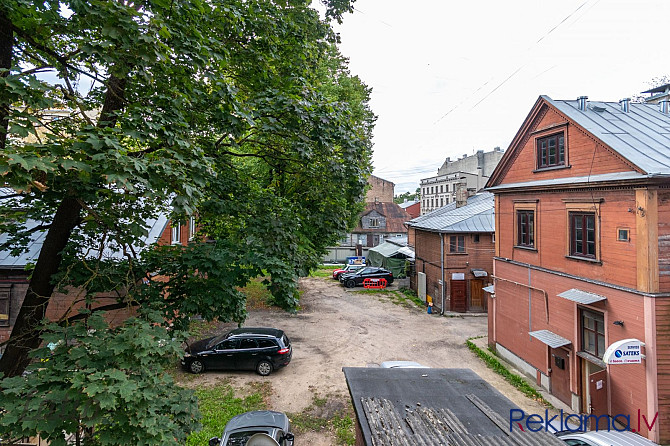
(441, 201)
(374, 222)
(551, 151)
(623, 235)
(228, 344)
(593, 333)
(176, 233)
(266, 343)
(525, 226)
(583, 235)
(248, 343)
(475, 238)
(457, 243)
(191, 228)
(441, 188)
(4, 305)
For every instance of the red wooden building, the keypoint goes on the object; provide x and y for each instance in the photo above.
(582, 208)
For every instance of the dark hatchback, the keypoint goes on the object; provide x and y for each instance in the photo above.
(351, 280)
(261, 349)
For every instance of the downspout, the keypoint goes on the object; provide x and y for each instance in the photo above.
(442, 268)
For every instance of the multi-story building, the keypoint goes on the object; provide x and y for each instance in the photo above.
(582, 262)
(467, 174)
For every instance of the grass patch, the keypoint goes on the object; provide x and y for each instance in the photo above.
(493, 363)
(258, 295)
(325, 271)
(329, 413)
(218, 404)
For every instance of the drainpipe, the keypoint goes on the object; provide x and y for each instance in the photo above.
(442, 268)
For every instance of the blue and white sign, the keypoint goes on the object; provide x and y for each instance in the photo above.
(626, 351)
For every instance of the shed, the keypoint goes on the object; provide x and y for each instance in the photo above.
(391, 256)
(433, 407)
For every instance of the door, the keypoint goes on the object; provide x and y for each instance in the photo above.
(560, 375)
(476, 294)
(598, 396)
(223, 356)
(458, 296)
(247, 354)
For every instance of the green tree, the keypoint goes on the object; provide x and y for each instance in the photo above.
(240, 113)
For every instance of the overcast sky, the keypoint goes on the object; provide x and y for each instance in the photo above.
(449, 78)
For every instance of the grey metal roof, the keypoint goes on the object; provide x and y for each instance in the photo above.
(9, 261)
(581, 297)
(642, 135)
(550, 338)
(601, 178)
(475, 216)
(407, 204)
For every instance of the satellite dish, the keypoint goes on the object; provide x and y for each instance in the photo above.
(261, 439)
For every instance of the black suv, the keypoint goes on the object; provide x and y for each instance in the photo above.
(351, 280)
(259, 349)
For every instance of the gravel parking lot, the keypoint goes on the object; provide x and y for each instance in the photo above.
(343, 328)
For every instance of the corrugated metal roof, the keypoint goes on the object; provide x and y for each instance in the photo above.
(581, 297)
(642, 135)
(475, 216)
(550, 338)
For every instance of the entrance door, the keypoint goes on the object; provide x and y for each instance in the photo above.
(598, 395)
(560, 375)
(476, 294)
(459, 301)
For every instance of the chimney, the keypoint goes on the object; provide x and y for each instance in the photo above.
(461, 195)
(625, 105)
(664, 106)
(581, 103)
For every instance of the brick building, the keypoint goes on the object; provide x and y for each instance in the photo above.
(582, 208)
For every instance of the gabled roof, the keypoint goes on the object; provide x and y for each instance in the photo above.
(641, 135)
(395, 217)
(476, 216)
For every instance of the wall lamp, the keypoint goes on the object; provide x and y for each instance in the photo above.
(619, 323)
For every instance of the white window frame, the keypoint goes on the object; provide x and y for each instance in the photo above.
(191, 228)
(175, 238)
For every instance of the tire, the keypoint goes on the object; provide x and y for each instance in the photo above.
(264, 368)
(196, 366)
(350, 283)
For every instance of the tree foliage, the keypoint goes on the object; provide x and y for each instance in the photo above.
(240, 114)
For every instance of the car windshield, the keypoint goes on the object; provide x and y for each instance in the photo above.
(241, 438)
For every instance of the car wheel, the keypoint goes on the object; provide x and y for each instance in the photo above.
(264, 368)
(196, 366)
(350, 283)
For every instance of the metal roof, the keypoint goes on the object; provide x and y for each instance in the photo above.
(475, 216)
(561, 181)
(550, 338)
(581, 297)
(9, 261)
(641, 135)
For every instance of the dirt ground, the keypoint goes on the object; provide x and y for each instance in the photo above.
(342, 328)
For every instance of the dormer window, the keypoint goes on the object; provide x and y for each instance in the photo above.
(551, 151)
(374, 222)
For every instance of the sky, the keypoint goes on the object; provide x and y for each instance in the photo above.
(449, 77)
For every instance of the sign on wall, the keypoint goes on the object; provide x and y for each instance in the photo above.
(457, 276)
(626, 351)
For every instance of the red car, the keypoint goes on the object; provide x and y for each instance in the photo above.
(346, 269)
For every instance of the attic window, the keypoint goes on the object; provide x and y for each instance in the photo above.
(551, 151)
(374, 222)
(4, 305)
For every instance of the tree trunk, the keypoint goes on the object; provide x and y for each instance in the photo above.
(6, 47)
(25, 333)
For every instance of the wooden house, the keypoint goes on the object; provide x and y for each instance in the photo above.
(582, 256)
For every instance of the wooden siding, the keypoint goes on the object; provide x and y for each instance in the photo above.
(512, 327)
(585, 155)
(663, 365)
(664, 240)
(617, 263)
(478, 255)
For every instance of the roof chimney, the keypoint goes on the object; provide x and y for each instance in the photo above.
(664, 107)
(625, 105)
(581, 102)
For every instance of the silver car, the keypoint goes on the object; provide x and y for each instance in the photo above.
(604, 438)
(242, 427)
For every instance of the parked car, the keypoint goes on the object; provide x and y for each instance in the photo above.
(402, 365)
(346, 269)
(261, 349)
(351, 280)
(604, 438)
(264, 423)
